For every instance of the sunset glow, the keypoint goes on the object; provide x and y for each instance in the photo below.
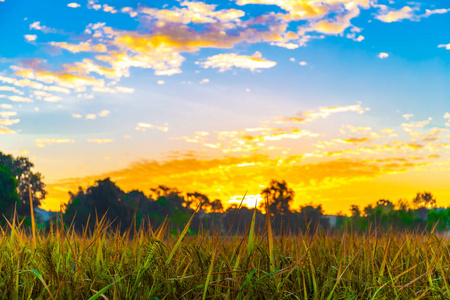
(346, 100)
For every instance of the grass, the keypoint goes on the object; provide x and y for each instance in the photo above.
(105, 264)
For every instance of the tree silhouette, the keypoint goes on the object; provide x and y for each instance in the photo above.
(216, 206)
(104, 197)
(8, 193)
(279, 197)
(424, 199)
(21, 169)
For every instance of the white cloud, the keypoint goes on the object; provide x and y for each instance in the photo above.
(303, 63)
(160, 82)
(123, 89)
(205, 80)
(30, 37)
(91, 117)
(446, 46)
(73, 5)
(104, 113)
(228, 61)
(408, 116)
(19, 99)
(391, 15)
(145, 126)
(43, 28)
(429, 12)
(10, 89)
(383, 55)
(77, 116)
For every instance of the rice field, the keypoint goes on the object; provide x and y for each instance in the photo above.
(60, 263)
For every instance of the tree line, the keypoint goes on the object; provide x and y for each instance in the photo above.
(167, 205)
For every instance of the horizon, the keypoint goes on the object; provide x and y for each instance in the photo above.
(345, 100)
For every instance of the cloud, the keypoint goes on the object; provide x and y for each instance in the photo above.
(228, 61)
(73, 5)
(5, 130)
(388, 15)
(145, 126)
(129, 10)
(160, 82)
(10, 89)
(314, 9)
(383, 55)
(408, 116)
(429, 12)
(446, 46)
(9, 122)
(110, 9)
(100, 141)
(43, 28)
(226, 177)
(41, 143)
(205, 80)
(80, 47)
(104, 113)
(62, 78)
(5, 118)
(193, 12)
(19, 99)
(30, 37)
(355, 140)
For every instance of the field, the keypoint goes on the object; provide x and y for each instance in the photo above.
(158, 264)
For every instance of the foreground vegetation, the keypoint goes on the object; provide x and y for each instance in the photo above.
(160, 264)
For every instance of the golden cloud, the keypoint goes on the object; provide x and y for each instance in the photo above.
(62, 78)
(5, 130)
(226, 177)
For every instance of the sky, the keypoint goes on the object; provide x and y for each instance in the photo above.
(348, 101)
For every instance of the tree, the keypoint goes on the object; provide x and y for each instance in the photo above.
(356, 212)
(312, 216)
(8, 192)
(279, 197)
(424, 199)
(216, 206)
(195, 200)
(104, 197)
(21, 169)
(386, 206)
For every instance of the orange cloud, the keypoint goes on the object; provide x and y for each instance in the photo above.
(226, 177)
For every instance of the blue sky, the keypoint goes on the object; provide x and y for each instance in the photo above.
(90, 89)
